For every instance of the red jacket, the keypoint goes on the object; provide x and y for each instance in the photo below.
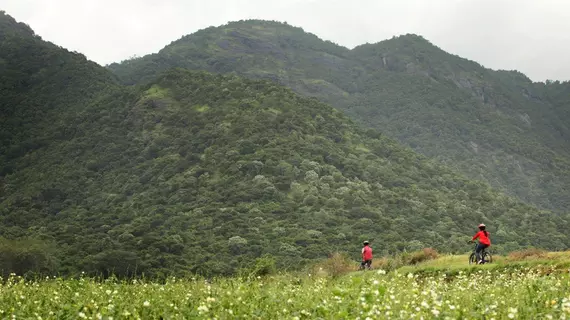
(483, 238)
(366, 253)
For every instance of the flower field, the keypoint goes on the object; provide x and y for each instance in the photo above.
(530, 291)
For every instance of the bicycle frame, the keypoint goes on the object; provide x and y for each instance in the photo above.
(475, 249)
(482, 253)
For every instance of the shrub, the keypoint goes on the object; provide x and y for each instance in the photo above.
(422, 255)
(262, 266)
(386, 263)
(530, 253)
(27, 257)
(335, 265)
(407, 258)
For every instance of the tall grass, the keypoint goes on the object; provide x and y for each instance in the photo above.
(530, 253)
(406, 259)
(516, 293)
(339, 263)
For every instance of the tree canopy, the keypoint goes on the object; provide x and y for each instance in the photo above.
(204, 173)
(493, 126)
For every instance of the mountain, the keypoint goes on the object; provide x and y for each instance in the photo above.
(42, 87)
(196, 172)
(495, 126)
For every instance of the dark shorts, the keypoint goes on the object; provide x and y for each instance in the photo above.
(481, 246)
(478, 250)
(367, 263)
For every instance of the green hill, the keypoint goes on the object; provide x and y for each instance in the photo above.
(494, 126)
(42, 88)
(195, 172)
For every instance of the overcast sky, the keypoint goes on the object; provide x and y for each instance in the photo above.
(532, 36)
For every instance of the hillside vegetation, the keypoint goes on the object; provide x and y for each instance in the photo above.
(200, 173)
(494, 126)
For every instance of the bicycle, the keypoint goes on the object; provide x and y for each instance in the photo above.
(365, 265)
(485, 256)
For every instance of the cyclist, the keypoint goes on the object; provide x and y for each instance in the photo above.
(366, 256)
(484, 241)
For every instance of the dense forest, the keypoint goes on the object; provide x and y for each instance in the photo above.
(494, 126)
(193, 172)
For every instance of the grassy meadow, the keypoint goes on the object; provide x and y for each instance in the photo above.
(530, 285)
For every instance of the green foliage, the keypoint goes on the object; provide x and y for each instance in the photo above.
(500, 292)
(175, 189)
(262, 266)
(27, 257)
(497, 127)
(42, 88)
(406, 258)
(201, 173)
(416, 257)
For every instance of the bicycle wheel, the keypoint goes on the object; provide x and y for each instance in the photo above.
(487, 257)
(473, 258)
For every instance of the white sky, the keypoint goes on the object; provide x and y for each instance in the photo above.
(532, 36)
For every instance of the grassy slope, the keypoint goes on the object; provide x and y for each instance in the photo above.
(519, 291)
(452, 264)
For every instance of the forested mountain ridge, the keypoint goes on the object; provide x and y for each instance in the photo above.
(196, 172)
(496, 126)
(42, 86)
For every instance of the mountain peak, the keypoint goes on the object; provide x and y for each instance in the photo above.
(9, 25)
(256, 31)
(407, 44)
(409, 38)
(260, 22)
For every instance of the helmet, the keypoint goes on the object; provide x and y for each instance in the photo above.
(482, 225)
(366, 242)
